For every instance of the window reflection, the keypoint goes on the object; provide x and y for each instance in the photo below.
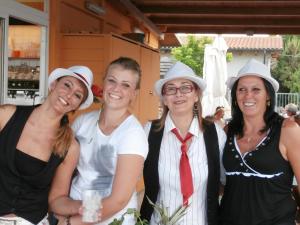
(24, 40)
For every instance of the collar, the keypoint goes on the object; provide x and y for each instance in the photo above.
(194, 128)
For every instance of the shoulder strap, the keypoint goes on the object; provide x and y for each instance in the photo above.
(150, 172)
(213, 159)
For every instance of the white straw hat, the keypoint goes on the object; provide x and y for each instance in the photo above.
(179, 71)
(82, 73)
(254, 68)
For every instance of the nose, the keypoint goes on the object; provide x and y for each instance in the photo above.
(178, 92)
(70, 93)
(248, 93)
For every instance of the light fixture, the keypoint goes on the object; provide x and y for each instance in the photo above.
(94, 7)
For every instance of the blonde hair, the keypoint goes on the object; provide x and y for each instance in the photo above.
(127, 64)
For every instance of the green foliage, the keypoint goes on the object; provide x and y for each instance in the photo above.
(229, 57)
(137, 217)
(160, 209)
(287, 70)
(192, 54)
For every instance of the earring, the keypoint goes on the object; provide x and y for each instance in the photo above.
(268, 103)
(195, 110)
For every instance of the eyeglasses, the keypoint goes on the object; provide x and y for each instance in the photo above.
(173, 90)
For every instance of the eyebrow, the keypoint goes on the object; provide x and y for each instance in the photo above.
(184, 82)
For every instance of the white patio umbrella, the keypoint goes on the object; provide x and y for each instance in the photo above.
(215, 75)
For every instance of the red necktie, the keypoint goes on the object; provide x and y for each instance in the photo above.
(186, 180)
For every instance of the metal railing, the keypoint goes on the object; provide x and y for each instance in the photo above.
(282, 99)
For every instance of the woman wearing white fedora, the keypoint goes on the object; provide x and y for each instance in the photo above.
(183, 164)
(113, 147)
(261, 154)
(37, 141)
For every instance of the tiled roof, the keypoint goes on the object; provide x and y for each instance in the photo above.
(254, 43)
(170, 40)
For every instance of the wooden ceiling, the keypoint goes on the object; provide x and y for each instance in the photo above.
(214, 16)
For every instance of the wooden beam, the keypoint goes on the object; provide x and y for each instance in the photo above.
(139, 16)
(262, 20)
(236, 29)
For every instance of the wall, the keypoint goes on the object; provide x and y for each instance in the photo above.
(241, 57)
(71, 16)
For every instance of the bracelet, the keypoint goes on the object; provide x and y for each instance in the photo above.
(68, 220)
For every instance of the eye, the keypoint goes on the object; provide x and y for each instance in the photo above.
(256, 90)
(242, 89)
(125, 85)
(79, 96)
(111, 81)
(170, 88)
(67, 85)
(186, 88)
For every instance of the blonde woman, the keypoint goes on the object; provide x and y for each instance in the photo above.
(113, 148)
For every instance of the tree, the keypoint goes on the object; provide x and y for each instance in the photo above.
(287, 70)
(192, 54)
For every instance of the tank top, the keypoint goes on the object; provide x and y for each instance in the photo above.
(258, 183)
(22, 194)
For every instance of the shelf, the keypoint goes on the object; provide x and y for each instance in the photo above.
(22, 58)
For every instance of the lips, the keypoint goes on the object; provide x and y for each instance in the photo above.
(114, 96)
(249, 104)
(179, 102)
(62, 101)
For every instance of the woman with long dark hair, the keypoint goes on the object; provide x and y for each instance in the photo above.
(261, 154)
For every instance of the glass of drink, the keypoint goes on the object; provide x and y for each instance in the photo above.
(91, 202)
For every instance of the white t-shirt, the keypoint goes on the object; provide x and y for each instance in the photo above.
(169, 175)
(98, 156)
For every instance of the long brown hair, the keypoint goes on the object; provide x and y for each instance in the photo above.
(64, 134)
(63, 138)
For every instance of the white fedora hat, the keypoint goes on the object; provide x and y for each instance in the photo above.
(82, 73)
(254, 68)
(179, 71)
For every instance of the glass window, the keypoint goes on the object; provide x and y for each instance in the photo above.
(24, 47)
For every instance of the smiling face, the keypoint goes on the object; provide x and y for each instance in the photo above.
(67, 93)
(252, 96)
(179, 96)
(119, 87)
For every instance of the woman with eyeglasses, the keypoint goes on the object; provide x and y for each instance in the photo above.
(113, 146)
(183, 168)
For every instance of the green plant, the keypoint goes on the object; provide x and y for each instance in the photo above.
(162, 211)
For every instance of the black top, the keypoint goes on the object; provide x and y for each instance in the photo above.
(151, 178)
(258, 183)
(21, 194)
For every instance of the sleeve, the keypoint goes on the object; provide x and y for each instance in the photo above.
(134, 142)
(222, 140)
(77, 123)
